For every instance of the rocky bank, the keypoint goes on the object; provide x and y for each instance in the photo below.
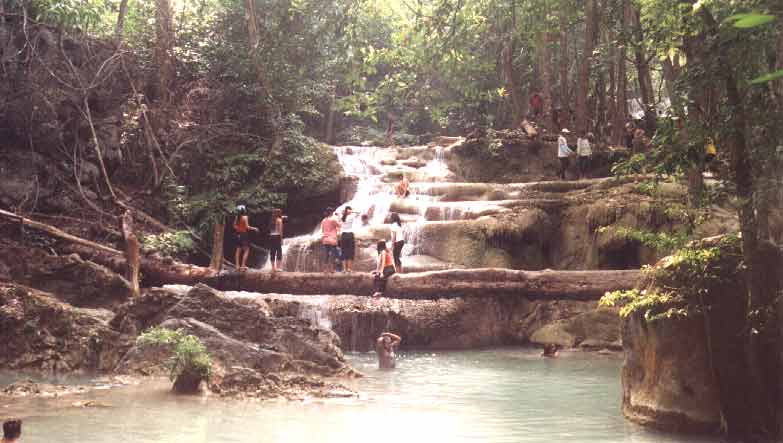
(685, 367)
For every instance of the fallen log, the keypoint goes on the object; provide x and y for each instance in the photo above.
(575, 285)
(51, 230)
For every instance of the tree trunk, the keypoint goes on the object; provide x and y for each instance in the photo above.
(329, 123)
(164, 50)
(576, 285)
(643, 73)
(119, 30)
(132, 253)
(621, 81)
(507, 56)
(268, 112)
(611, 108)
(694, 51)
(778, 84)
(671, 72)
(545, 64)
(218, 232)
(759, 420)
(564, 60)
(584, 68)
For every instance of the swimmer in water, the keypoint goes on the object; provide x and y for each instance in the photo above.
(550, 350)
(385, 347)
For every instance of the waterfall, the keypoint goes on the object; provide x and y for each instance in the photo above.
(371, 168)
(316, 313)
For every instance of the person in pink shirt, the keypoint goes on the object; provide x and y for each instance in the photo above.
(330, 232)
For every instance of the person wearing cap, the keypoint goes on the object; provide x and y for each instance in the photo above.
(563, 152)
(242, 228)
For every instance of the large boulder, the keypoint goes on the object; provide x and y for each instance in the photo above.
(236, 325)
(667, 380)
(686, 341)
(225, 351)
(39, 332)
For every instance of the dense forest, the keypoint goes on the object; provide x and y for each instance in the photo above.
(177, 111)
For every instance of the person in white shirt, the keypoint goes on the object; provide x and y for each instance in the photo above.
(347, 239)
(397, 240)
(584, 153)
(563, 153)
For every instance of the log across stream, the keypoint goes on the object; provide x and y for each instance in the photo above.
(576, 285)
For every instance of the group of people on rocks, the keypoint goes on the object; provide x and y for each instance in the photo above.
(337, 239)
(339, 245)
(583, 153)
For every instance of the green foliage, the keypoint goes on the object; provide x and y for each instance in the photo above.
(686, 280)
(747, 21)
(663, 242)
(655, 306)
(173, 244)
(766, 78)
(72, 14)
(218, 178)
(188, 353)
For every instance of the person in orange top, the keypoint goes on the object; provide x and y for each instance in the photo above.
(385, 269)
(242, 228)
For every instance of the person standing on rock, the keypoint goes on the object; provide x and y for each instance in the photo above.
(12, 429)
(385, 346)
(384, 270)
(397, 240)
(330, 230)
(242, 228)
(584, 153)
(276, 240)
(563, 153)
(347, 239)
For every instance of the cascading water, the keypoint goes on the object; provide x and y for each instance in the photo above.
(374, 196)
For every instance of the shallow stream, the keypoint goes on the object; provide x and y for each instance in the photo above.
(500, 395)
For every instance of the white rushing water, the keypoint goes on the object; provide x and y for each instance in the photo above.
(374, 196)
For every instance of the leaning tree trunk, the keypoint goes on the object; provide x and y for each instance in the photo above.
(218, 232)
(643, 72)
(164, 50)
(584, 68)
(120, 28)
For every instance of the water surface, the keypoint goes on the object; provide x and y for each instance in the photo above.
(501, 395)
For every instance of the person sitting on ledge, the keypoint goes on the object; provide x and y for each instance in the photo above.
(550, 350)
(385, 346)
(12, 431)
(384, 270)
(401, 189)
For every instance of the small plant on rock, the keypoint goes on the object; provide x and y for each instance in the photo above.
(190, 363)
